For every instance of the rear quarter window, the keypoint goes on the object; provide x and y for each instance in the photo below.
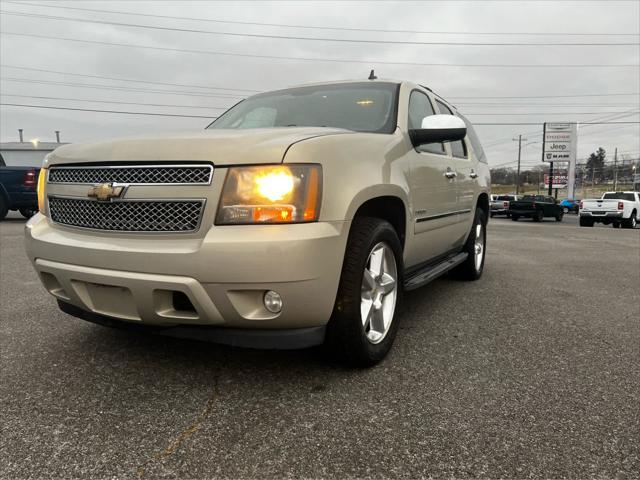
(473, 138)
(619, 196)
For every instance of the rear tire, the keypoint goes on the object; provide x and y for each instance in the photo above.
(373, 252)
(631, 221)
(514, 218)
(538, 216)
(4, 207)
(28, 212)
(559, 217)
(491, 215)
(476, 248)
(586, 222)
(615, 225)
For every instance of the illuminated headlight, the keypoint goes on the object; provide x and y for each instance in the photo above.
(270, 194)
(42, 177)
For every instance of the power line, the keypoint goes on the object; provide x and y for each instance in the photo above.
(308, 59)
(537, 133)
(504, 104)
(316, 27)
(537, 113)
(203, 116)
(226, 108)
(118, 87)
(554, 105)
(106, 111)
(120, 79)
(225, 88)
(112, 101)
(553, 96)
(317, 39)
(540, 124)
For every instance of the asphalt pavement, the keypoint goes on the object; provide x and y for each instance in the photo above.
(532, 371)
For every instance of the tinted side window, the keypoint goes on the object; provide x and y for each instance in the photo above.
(458, 149)
(473, 138)
(420, 107)
(619, 196)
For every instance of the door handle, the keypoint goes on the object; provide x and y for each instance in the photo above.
(473, 174)
(450, 173)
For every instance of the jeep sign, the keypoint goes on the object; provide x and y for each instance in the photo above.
(560, 145)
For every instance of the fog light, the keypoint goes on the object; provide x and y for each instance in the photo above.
(273, 301)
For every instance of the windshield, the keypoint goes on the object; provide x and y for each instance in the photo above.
(619, 196)
(362, 107)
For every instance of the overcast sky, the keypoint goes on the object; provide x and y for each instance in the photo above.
(462, 85)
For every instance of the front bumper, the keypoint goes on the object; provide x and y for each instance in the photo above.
(280, 339)
(223, 274)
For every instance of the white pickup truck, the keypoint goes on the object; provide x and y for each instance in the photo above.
(616, 208)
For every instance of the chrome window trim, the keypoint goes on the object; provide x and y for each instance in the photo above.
(203, 203)
(155, 165)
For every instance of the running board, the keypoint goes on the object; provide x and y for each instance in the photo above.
(430, 273)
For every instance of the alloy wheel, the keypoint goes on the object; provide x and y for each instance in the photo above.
(379, 292)
(478, 247)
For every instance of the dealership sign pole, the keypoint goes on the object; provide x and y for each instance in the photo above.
(560, 142)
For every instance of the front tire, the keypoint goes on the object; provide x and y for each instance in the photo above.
(538, 216)
(363, 324)
(559, 217)
(473, 266)
(28, 212)
(565, 210)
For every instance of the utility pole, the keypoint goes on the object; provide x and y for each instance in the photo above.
(615, 170)
(519, 153)
(539, 182)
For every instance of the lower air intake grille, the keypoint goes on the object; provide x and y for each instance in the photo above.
(133, 216)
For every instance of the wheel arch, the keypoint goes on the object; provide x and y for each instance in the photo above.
(483, 202)
(387, 205)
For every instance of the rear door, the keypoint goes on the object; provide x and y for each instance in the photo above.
(433, 188)
(461, 163)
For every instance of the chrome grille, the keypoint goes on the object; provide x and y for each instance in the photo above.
(128, 216)
(140, 174)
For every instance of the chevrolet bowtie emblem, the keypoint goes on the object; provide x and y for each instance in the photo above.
(105, 192)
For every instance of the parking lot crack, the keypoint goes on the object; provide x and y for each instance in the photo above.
(184, 435)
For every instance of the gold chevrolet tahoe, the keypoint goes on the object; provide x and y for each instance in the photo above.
(297, 218)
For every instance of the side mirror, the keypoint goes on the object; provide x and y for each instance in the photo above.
(438, 128)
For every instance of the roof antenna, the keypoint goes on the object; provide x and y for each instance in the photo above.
(372, 76)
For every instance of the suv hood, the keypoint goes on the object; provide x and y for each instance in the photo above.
(222, 147)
